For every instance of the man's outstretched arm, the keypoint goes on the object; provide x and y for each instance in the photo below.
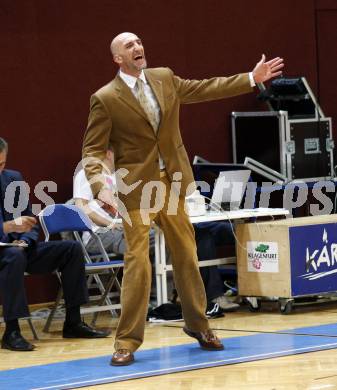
(195, 91)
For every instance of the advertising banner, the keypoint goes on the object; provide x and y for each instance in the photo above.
(313, 257)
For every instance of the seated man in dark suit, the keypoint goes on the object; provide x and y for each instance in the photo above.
(35, 258)
(209, 236)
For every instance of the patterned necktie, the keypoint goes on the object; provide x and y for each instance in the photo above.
(146, 105)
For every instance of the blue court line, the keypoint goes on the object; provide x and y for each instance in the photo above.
(329, 330)
(159, 361)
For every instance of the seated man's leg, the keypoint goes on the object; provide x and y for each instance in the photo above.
(209, 235)
(67, 258)
(206, 250)
(113, 240)
(13, 263)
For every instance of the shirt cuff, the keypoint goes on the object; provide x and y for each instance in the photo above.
(251, 79)
(2, 234)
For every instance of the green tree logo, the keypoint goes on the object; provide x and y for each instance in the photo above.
(262, 248)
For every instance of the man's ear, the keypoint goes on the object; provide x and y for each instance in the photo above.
(117, 58)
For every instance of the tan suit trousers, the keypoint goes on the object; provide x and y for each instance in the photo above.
(136, 284)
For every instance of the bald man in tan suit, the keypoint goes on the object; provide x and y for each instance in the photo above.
(138, 114)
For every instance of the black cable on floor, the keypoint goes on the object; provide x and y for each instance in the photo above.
(263, 331)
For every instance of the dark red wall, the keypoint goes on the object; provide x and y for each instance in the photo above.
(55, 53)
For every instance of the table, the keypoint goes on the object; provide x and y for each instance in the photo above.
(161, 266)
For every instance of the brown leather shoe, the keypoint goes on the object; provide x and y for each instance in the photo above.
(122, 357)
(207, 340)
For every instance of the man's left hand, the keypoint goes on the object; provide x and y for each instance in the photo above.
(21, 242)
(264, 71)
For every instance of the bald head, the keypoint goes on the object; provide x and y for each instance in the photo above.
(117, 42)
(128, 52)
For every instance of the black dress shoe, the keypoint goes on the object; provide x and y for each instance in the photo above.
(83, 331)
(207, 340)
(15, 342)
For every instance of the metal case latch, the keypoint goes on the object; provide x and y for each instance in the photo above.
(290, 147)
(329, 144)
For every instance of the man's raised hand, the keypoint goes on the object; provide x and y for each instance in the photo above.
(264, 71)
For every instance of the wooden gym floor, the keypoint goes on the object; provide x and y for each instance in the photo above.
(314, 371)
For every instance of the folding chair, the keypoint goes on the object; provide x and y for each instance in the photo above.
(70, 218)
(90, 258)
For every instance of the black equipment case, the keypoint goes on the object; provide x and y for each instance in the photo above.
(296, 142)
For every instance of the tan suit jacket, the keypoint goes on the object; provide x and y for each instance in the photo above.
(117, 117)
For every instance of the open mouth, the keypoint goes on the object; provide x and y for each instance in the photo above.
(139, 57)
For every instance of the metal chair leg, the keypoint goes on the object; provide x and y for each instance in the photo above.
(32, 328)
(53, 310)
(105, 297)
